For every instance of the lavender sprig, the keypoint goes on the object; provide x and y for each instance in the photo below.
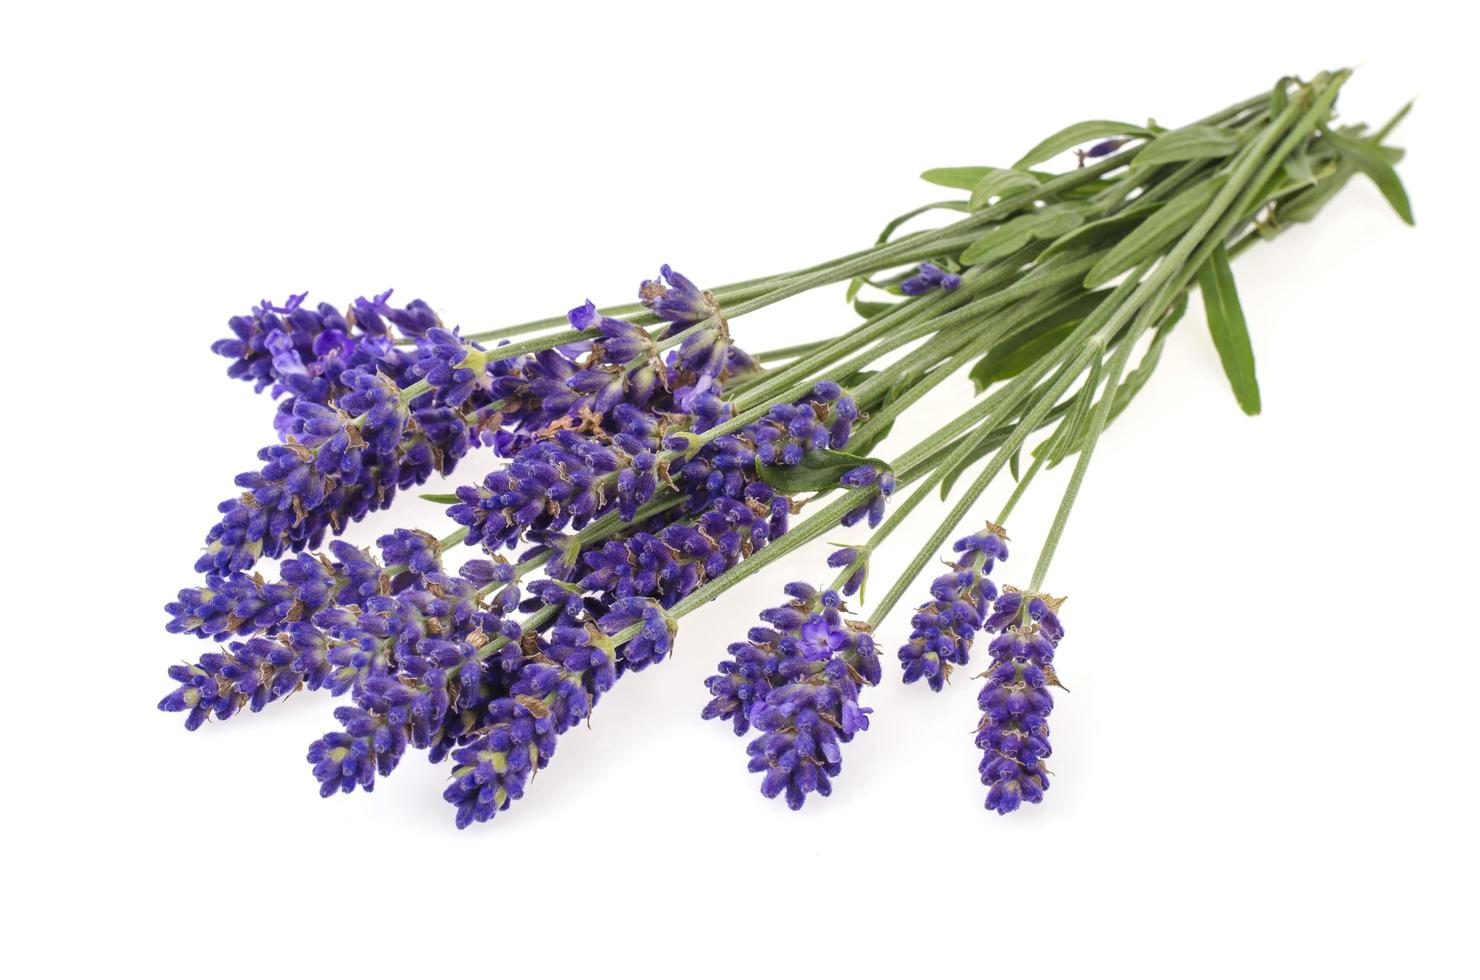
(945, 627)
(1015, 703)
(796, 680)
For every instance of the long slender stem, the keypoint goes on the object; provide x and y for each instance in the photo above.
(1099, 327)
(1098, 417)
(1020, 489)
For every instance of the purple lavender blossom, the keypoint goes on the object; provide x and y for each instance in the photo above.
(796, 681)
(674, 297)
(290, 346)
(432, 661)
(788, 432)
(855, 558)
(241, 604)
(407, 657)
(1015, 702)
(606, 376)
(344, 461)
(251, 673)
(882, 483)
(703, 357)
(944, 628)
(550, 696)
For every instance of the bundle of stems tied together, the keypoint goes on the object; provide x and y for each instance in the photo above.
(645, 463)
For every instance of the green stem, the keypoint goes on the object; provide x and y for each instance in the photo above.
(1099, 327)
(1098, 418)
(1022, 486)
(786, 353)
(925, 374)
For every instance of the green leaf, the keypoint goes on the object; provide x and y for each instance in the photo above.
(1076, 424)
(1279, 96)
(893, 226)
(1015, 353)
(1000, 183)
(961, 178)
(1071, 136)
(441, 498)
(1008, 237)
(1135, 380)
(1297, 168)
(818, 470)
(854, 285)
(1230, 333)
(1188, 143)
(992, 441)
(867, 309)
(1155, 233)
(856, 378)
(999, 367)
(1369, 158)
(1305, 205)
(1103, 230)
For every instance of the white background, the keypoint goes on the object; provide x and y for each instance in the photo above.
(1267, 762)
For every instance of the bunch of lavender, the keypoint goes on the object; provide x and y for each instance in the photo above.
(643, 463)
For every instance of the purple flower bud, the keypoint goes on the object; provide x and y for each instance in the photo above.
(1106, 147)
(927, 278)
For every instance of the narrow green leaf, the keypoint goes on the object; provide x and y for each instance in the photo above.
(1016, 352)
(1369, 158)
(1001, 240)
(854, 285)
(820, 469)
(1279, 96)
(961, 178)
(1010, 363)
(1230, 333)
(1305, 205)
(441, 498)
(1155, 233)
(994, 439)
(1076, 424)
(1103, 230)
(1135, 380)
(986, 445)
(1006, 238)
(867, 309)
(1071, 136)
(1188, 143)
(1000, 183)
(1297, 168)
(893, 226)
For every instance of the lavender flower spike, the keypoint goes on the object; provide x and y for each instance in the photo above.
(1015, 703)
(944, 628)
(674, 297)
(796, 681)
(350, 459)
